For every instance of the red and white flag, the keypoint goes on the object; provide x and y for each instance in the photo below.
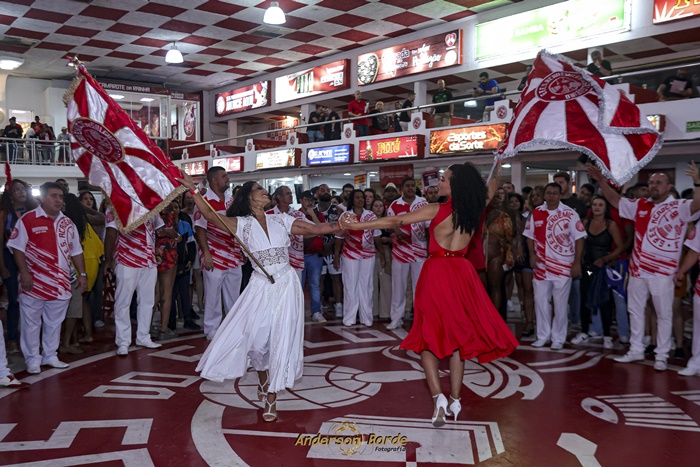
(565, 107)
(116, 155)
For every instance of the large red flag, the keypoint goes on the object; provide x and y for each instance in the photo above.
(565, 107)
(116, 155)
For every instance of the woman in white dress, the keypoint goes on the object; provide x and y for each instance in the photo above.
(265, 327)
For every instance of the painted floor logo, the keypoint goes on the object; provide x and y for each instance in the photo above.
(349, 438)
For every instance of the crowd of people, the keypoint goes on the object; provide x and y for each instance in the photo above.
(47, 145)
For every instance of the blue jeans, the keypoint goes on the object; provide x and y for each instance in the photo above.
(313, 265)
(575, 302)
(314, 135)
(362, 130)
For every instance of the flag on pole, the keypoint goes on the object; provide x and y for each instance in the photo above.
(565, 107)
(116, 155)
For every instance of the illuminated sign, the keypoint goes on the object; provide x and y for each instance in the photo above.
(671, 10)
(325, 78)
(231, 164)
(658, 121)
(551, 25)
(278, 159)
(692, 127)
(467, 139)
(195, 168)
(330, 155)
(392, 148)
(440, 51)
(241, 99)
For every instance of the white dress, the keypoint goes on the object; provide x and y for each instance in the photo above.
(265, 327)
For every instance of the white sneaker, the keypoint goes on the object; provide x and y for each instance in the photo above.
(33, 369)
(509, 306)
(580, 338)
(338, 310)
(11, 382)
(123, 351)
(630, 357)
(539, 343)
(646, 340)
(689, 372)
(557, 345)
(624, 340)
(149, 344)
(99, 323)
(607, 342)
(318, 317)
(54, 362)
(594, 335)
(394, 324)
(660, 365)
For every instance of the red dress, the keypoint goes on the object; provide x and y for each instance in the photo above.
(452, 310)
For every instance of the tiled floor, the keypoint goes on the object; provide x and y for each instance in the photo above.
(537, 408)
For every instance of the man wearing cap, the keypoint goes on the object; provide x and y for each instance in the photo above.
(283, 199)
(391, 194)
(13, 130)
(313, 259)
(64, 146)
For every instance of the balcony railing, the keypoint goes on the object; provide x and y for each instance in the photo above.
(30, 151)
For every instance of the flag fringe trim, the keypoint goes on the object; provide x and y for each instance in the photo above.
(68, 96)
(176, 193)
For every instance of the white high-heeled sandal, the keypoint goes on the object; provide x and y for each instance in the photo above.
(440, 410)
(269, 415)
(454, 408)
(262, 391)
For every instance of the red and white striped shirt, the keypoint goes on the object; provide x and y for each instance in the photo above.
(137, 248)
(359, 244)
(296, 242)
(48, 246)
(415, 246)
(659, 231)
(224, 250)
(554, 234)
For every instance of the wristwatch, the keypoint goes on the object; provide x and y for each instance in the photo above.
(83, 274)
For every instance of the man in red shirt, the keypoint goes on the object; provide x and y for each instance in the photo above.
(313, 256)
(357, 108)
(44, 242)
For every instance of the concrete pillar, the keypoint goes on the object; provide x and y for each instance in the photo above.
(517, 174)
(421, 90)
(306, 110)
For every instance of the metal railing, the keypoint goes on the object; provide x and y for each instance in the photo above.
(31, 151)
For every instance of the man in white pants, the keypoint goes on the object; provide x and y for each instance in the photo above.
(693, 244)
(660, 222)
(44, 242)
(283, 197)
(555, 236)
(220, 254)
(134, 255)
(409, 250)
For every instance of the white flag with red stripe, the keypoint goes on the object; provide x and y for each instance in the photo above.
(116, 155)
(565, 107)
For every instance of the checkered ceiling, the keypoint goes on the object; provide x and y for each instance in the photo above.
(222, 41)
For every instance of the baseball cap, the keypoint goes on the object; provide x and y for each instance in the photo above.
(390, 186)
(13, 118)
(63, 128)
(307, 194)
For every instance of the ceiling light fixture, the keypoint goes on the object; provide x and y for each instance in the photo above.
(116, 97)
(173, 55)
(146, 99)
(10, 63)
(274, 14)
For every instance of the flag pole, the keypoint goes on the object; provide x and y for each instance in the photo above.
(493, 168)
(243, 245)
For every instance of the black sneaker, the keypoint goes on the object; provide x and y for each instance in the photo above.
(679, 353)
(195, 316)
(650, 349)
(192, 326)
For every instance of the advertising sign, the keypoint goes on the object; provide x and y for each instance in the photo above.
(195, 168)
(278, 159)
(659, 121)
(692, 127)
(430, 178)
(242, 99)
(467, 139)
(671, 10)
(440, 51)
(125, 87)
(330, 155)
(395, 174)
(397, 147)
(231, 164)
(325, 78)
(551, 25)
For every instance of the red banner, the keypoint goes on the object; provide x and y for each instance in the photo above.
(467, 139)
(395, 174)
(440, 51)
(671, 10)
(392, 148)
(231, 164)
(242, 99)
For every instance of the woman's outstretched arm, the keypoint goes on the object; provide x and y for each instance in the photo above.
(426, 213)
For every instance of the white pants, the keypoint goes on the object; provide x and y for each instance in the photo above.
(4, 370)
(40, 317)
(558, 292)
(216, 282)
(143, 281)
(694, 361)
(399, 280)
(357, 290)
(661, 290)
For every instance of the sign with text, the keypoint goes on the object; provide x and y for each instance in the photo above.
(231, 164)
(195, 168)
(242, 99)
(107, 86)
(440, 51)
(430, 178)
(392, 148)
(692, 127)
(341, 154)
(671, 10)
(550, 26)
(325, 78)
(395, 174)
(467, 139)
(278, 159)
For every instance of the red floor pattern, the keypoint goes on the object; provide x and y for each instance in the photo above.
(536, 408)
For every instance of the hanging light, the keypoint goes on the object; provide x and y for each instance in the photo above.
(173, 55)
(274, 14)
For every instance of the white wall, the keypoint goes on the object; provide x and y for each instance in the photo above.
(42, 97)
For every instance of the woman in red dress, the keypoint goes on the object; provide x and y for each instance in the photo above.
(453, 315)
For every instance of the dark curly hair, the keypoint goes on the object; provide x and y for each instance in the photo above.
(6, 204)
(468, 197)
(74, 210)
(351, 199)
(240, 207)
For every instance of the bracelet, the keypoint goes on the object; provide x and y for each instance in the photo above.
(83, 274)
(340, 226)
(193, 192)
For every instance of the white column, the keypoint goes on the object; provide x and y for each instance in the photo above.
(517, 174)
(421, 90)
(306, 110)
